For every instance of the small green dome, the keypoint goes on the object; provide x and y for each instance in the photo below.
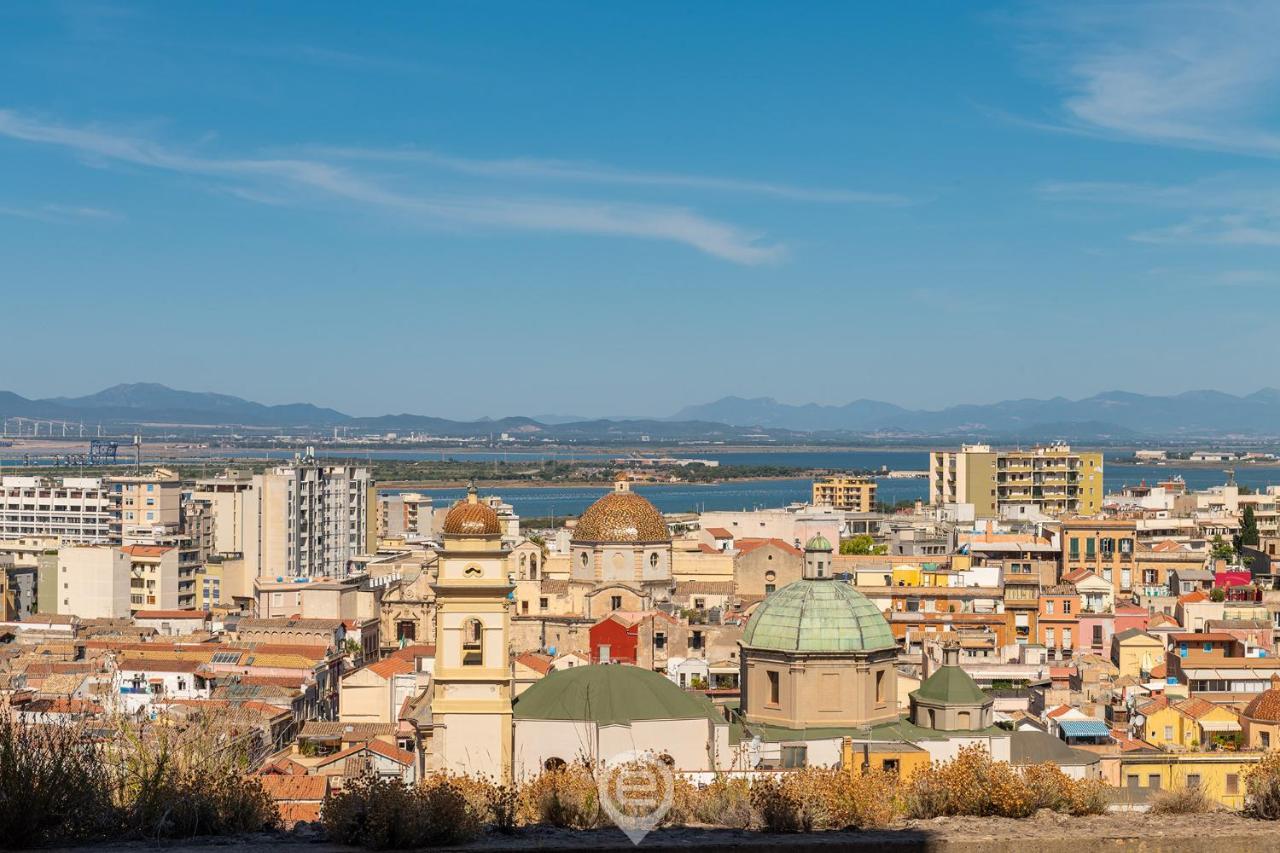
(818, 543)
(817, 616)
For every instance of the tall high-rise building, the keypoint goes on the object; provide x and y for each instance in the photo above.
(297, 520)
(1052, 480)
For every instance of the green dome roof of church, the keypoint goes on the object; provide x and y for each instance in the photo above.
(824, 615)
(951, 685)
(609, 694)
(818, 543)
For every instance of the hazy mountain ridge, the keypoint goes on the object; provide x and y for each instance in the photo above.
(1122, 412)
(1113, 415)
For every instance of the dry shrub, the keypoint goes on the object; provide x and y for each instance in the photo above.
(565, 797)
(974, 784)
(387, 814)
(180, 779)
(1180, 801)
(724, 801)
(53, 787)
(1262, 788)
(491, 803)
(777, 805)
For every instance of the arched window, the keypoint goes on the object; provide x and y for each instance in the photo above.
(553, 764)
(653, 559)
(472, 643)
(584, 558)
(524, 560)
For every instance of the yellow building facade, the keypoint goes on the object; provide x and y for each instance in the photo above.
(856, 494)
(1221, 775)
(1053, 480)
(471, 705)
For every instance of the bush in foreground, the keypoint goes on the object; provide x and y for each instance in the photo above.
(974, 784)
(62, 783)
(387, 814)
(1262, 788)
(1180, 801)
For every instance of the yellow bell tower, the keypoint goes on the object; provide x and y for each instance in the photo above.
(471, 703)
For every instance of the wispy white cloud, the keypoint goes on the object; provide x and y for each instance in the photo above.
(591, 173)
(1191, 74)
(1228, 210)
(58, 212)
(302, 179)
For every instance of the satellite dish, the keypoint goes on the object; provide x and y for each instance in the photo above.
(1139, 720)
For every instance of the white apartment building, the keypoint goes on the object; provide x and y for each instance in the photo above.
(75, 509)
(90, 509)
(93, 582)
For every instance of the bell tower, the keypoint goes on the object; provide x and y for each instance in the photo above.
(471, 702)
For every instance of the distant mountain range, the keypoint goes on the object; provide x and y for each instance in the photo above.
(1114, 413)
(1112, 416)
(156, 407)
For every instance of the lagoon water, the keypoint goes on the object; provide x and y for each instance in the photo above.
(540, 502)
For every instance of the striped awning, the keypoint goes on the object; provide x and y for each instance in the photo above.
(1220, 726)
(1084, 728)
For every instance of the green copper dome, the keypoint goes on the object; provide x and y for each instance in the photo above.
(818, 543)
(817, 616)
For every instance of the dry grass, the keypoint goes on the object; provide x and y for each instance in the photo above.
(1262, 788)
(1181, 801)
(974, 784)
(153, 781)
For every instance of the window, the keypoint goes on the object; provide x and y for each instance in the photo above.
(1131, 781)
(890, 765)
(1097, 635)
(1265, 739)
(615, 602)
(1233, 783)
(1066, 638)
(1048, 607)
(543, 603)
(1193, 780)
(1090, 547)
(1075, 547)
(653, 560)
(880, 687)
(584, 558)
(659, 641)
(695, 640)
(795, 756)
(769, 588)
(1066, 608)
(1153, 780)
(775, 688)
(1168, 732)
(472, 643)
(407, 630)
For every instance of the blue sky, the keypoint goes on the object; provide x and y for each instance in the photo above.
(591, 208)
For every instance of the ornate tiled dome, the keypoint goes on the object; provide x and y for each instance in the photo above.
(621, 516)
(471, 518)
(817, 616)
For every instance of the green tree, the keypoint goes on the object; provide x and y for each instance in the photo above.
(1222, 549)
(1248, 537)
(861, 544)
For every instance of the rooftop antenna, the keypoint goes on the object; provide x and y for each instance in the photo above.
(137, 453)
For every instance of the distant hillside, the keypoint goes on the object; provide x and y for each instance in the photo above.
(1114, 413)
(1113, 416)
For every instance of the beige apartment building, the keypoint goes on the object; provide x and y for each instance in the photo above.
(857, 494)
(1106, 547)
(158, 580)
(74, 509)
(291, 521)
(1052, 480)
(93, 582)
(145, 506)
